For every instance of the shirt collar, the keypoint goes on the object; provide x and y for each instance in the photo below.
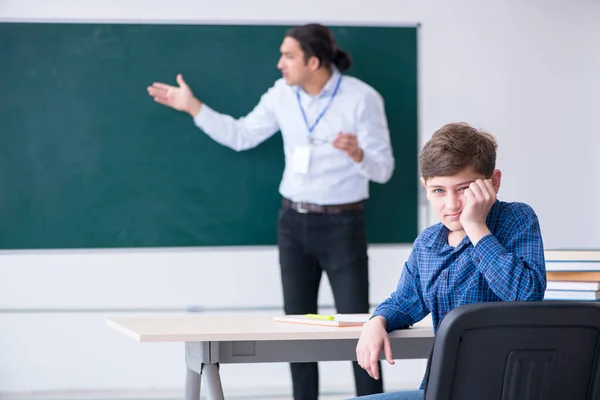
(437, 238)
(329, 85)
(492, 215)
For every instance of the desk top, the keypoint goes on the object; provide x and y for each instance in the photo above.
(240, 327)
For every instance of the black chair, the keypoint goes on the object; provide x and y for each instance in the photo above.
(538, 350)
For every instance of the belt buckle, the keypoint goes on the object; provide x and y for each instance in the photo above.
(300, 208)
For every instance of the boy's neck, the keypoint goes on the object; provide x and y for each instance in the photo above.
(454, 238)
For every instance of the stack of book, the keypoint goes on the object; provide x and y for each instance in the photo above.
(572, 275)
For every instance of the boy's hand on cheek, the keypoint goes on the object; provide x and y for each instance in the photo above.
(480, 197)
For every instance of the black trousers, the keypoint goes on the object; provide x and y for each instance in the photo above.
(308, 245)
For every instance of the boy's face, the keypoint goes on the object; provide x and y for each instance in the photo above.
(446, 194)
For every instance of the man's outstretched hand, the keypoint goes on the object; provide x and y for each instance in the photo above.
(179, 97)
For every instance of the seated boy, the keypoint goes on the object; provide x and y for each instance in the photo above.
(482, 250)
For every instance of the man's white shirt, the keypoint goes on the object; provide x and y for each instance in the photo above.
(331, 177)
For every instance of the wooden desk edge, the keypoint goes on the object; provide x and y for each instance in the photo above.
(119, 328)
(156, 338)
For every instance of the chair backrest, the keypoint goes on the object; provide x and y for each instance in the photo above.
(533, 350)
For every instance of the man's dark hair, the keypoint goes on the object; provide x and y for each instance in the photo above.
(317, 41)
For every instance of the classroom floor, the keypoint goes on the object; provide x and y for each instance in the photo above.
(157, 395)
(323, 396)
(238, 397)
(327, 394)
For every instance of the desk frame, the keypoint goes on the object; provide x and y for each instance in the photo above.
(203, 358)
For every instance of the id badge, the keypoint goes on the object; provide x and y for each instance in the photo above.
(301, 159)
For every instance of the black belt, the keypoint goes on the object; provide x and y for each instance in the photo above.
(321, 209)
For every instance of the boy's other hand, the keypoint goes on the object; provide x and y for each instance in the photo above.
(373, 339)
(179, 97)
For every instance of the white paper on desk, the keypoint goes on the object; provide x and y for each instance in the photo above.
(352, 318)
(339, 320)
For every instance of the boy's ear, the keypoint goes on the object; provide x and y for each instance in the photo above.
(496, 178)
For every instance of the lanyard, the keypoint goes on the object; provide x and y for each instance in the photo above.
(312, 127)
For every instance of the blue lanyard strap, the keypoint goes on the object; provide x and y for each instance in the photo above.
(312, 127)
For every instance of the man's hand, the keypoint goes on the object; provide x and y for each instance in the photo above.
(480, 197)
(348, 143)
(373, 339)
(180, 98)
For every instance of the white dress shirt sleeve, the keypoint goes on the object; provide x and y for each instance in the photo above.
(374, 139)
(245, 132)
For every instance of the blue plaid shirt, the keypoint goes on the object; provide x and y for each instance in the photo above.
(506, 265)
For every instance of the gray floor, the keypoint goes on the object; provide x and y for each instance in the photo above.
(163, 395)
(324, 396)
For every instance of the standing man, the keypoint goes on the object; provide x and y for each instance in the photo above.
(336, 140)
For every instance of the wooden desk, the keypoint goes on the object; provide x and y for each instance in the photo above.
(214, 339)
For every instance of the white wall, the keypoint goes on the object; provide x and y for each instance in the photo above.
(592, 34)
(525, 70)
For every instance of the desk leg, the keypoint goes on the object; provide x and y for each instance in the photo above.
(212, 382)
(192, 385)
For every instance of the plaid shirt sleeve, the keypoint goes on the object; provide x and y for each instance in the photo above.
(405, 306)
(516, 271)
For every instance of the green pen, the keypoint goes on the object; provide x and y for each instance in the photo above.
(323, 317)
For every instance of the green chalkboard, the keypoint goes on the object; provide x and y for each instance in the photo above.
(88, 160)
